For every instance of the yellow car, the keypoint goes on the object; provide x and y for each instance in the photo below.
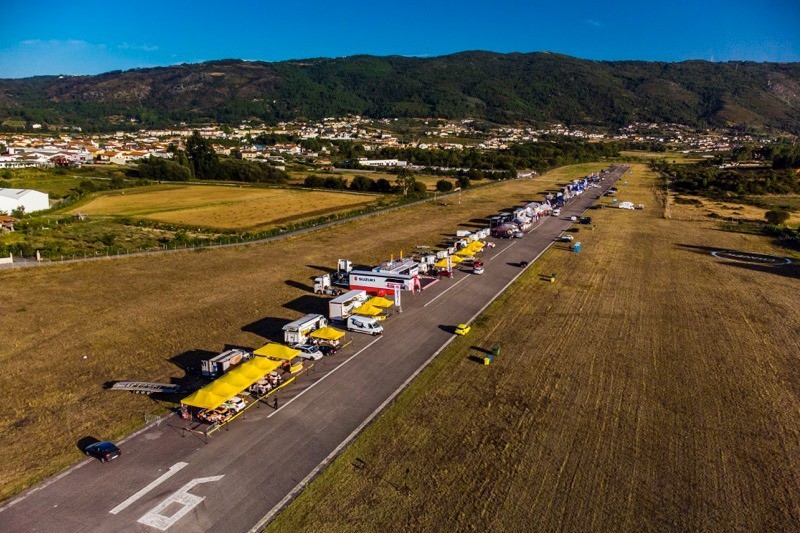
(462, 329)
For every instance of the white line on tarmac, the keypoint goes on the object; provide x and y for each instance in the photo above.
(444, 291)
(503, 250)
(323, 378)
(174, 469)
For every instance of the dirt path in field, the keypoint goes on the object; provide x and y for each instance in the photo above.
(652, 387)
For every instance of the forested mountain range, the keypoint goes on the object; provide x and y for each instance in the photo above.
(534, 88)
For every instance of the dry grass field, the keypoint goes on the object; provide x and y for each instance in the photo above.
(143, 317)
(653, 387)
(729, 210)
(428, 179)
(220, 206)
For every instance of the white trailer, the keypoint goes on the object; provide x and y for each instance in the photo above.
(341, 307)
(297, 332)
(219, 364)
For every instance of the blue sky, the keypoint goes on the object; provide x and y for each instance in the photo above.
(89, 37)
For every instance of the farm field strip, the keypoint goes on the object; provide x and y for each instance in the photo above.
(221, 207)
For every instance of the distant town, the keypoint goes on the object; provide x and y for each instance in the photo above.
(45, 148)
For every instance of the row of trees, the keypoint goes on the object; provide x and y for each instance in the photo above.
(200, 161)
(709, 180)
(539, 156)
(781, 156)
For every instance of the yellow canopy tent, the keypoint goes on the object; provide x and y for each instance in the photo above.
(235, 379)
(238, 379)
(277, 351)
(367, 310)
(204, 399)
(456, 259)
(441, 263)
(379, 301)
(476, 245)
(465, 252)
(250, 371)
(328, 333)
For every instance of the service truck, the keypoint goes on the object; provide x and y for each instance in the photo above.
(342, 306)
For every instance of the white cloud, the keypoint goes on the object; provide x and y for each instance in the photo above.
(138, 47)
(593, 23)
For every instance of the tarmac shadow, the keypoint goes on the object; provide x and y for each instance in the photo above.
(271, 328)
(308, 304)
(189, 361)
(327, 270)
(85, 442)
(298, 285)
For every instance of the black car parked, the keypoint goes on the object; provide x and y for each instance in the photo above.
(105, 451)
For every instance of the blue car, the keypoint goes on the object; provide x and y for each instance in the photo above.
(105, 451)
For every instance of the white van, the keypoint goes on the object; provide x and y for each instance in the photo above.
(363, 324)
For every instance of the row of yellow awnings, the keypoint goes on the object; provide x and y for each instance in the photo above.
(237, 380)
(468, 251)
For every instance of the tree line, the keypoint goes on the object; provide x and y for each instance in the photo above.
(200, 161)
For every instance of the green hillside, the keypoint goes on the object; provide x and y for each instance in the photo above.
(505, 88)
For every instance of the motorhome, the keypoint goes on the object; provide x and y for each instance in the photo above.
(297, 332)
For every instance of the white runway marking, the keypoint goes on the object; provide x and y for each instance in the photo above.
(503, 250)
(323, 378)
(182, 497)
(174, 469)
(445, 291)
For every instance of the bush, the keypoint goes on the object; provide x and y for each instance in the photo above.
(444, 185)
(419, 188)
(158, 168)
(362, 183)
(777, 216)
(383, 185)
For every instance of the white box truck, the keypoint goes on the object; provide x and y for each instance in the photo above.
(297, 332)
(342, 306)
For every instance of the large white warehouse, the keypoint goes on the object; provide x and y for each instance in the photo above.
(12, 199)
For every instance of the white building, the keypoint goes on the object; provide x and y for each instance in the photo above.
(381, 162)
(12, 199)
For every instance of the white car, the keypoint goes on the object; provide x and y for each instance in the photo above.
(235, 404)
(308, 351)
(566, 238)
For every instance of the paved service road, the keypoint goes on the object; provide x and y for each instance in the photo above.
(168, 479)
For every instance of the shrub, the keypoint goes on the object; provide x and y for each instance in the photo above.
(444, 185)
(777, 216)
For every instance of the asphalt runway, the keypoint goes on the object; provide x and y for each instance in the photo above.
(239, 478)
